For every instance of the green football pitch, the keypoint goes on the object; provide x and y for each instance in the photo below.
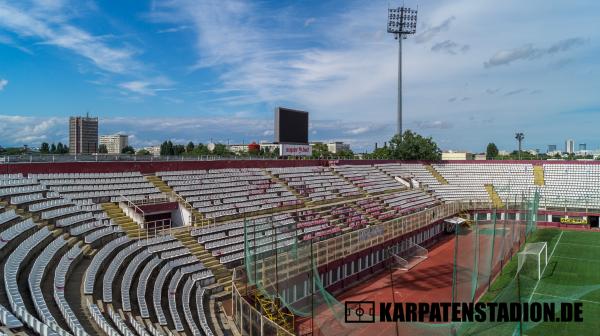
(572, 274)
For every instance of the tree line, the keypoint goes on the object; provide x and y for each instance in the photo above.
(59, 148)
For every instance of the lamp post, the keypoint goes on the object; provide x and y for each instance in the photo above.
(402, 21)
(519, 136)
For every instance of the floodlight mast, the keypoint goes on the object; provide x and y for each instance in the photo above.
(402, 21)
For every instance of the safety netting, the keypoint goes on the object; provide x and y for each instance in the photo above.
(283, 280)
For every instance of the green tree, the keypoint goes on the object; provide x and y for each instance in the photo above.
(491, 151)
(412, 146)
(320, 150)
(59, 148)
(200, 149)
(346, 153)
(167, 148)
(127, 150)
(178, 149)
(143, 152)
(44, 148)
(102, 149)
(53, 149)
(221, 150)
(189, 148)
(381, 153)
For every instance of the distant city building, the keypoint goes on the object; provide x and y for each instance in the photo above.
(551, 148)
(243, 148)
(553, 153)
(83, 135)
(114, 143)
(582, 147)
(480, 157)
(333, 147)
(450, 156)
(570, 146)
(533, 151)
(154, 150)
(337, 147)
(503, 153)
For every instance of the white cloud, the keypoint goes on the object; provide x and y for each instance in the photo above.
(450, 47)
(173, 29)
(309, 21)
(431, 32)
(529, 52)
(19, 130)
(148, 87)
(48, 22)
(40, 24)
(3, 83)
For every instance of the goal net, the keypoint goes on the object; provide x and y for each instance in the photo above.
(409, 257)
(533, 259)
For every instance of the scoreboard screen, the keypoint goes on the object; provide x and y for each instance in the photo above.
(291, 126)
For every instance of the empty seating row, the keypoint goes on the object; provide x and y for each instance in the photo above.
(12, 269)
(119, 323)
(200, 309)
(8, 216)
(60, 283)
(187, 311)
(36, 275)
(100, 320)
(159, 284)
(94, 267)
(369, 178)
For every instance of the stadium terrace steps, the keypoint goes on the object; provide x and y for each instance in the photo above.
(435, 174)
(222, 275)
(197, 218)
(496, 200)
(118, 216)
(283, 183)
(158, 183)
(538, 175)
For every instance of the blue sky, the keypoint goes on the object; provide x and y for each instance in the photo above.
(476, 71)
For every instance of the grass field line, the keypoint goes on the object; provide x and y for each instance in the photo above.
(581, 259)
(590, 245)
(567, 298)
(547, 262)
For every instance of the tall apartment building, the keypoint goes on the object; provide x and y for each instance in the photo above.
(570, 146)
(114, 143)
(83, 135)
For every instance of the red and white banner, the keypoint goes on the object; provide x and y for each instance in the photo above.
(295, 150)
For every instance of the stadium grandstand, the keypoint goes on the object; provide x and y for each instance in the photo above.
(275, 247)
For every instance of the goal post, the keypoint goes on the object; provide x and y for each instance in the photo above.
(411, 256)
(397, 261)
(533, 260)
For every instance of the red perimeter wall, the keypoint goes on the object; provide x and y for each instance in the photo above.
(155, 166)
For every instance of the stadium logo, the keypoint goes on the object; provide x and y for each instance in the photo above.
(359, 311)
(499, 312)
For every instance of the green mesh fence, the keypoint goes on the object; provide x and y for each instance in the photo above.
(282, 268)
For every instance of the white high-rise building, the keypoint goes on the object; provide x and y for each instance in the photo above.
(114, 143)
(570, 146)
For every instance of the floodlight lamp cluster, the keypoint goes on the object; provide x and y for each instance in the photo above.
(402, 21)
